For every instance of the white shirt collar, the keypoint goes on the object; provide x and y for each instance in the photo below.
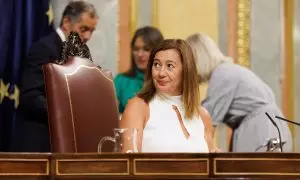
(61, 34)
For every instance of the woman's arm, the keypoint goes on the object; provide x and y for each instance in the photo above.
(229, 134)
(209, 130)
(135, 115)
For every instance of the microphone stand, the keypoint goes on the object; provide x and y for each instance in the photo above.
(289, 121)
(273, 122)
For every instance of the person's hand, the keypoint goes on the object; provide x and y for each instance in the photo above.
(215, 150)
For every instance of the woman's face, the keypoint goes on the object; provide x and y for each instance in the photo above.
(167, 72)
(141, 53)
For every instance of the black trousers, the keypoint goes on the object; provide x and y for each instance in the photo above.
(31, 136)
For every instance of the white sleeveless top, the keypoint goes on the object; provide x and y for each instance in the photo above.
(163, 132)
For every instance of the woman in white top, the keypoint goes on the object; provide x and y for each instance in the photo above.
(166, 112)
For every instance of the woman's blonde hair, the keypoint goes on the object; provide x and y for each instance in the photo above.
(207, 54)
(190, 79)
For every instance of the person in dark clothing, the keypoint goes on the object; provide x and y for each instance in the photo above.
(79, 16)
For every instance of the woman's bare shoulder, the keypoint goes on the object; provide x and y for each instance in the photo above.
(135, 114)
(203, 111)
(137, 101)
(137, 105)
(204, 114)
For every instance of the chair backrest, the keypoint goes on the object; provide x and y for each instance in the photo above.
(82, 105)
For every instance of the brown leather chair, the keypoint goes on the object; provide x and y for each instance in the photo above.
(82, 105)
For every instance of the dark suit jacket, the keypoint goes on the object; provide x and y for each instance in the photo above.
(32, 99)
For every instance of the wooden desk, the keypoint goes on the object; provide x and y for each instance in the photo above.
(149, 166)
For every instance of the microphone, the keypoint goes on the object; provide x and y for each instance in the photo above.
(289, 121)
(273, 122)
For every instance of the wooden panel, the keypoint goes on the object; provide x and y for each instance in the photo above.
(288, 69)
(164, 166)
(259, 166)
(24, 167)
(256, 165)
(124, 38)
(243, 32)
(92, 167)
(232, 29)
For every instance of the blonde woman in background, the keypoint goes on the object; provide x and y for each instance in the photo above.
(238, 98)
